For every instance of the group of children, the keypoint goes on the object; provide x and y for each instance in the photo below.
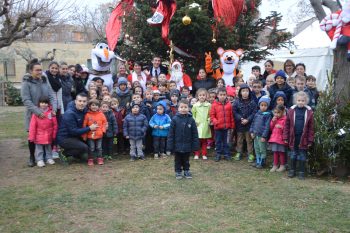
(165, 121)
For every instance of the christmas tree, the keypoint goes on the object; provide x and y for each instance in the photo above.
(141, 41)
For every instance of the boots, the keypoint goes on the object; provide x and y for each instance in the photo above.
(301, 170)
(31, 161)
(291, 172)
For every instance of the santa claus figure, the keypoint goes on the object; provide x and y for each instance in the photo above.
(176, 74)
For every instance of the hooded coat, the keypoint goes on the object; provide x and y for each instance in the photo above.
(160, 120)
(221, 115)
(244, 108)
(31, 91)
(43, 131)
(135, 126)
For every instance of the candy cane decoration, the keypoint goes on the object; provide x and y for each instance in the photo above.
(330, 21)
(336, 35)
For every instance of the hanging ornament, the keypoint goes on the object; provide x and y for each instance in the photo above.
(213, 40)
(127, 36)
(214, 36)
(186, 20)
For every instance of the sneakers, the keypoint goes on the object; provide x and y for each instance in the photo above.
(251, 158)
(156, 156)
(142, 158)
(90, 162)
(100, 161)
(188, 175)
(204, 157)
(178, 175)
(40, 163)
(281, 169)
(50, 161)
(196, 157)
(238, 157)
(163, 155)
(132, 159)
(168, 153)
(274, 168)
(157, 18)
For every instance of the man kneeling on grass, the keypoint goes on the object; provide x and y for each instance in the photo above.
(71, 129)
(183, 139)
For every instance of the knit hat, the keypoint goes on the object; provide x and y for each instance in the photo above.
(121, 81)
(282, 74)
(265, 99)
(133, 104)
(175, 92)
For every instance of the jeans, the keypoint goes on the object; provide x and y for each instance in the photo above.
(221, 145)
(136, 146)
(40, 150)
(260, 147)
(298, 154)
(95, 148)
(75, 147)
(107, 146)
(182, 161)
(159, 145)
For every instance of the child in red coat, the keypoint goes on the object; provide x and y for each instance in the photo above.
(276, 139)
(299, 133)
(221, 116)
(42, 131)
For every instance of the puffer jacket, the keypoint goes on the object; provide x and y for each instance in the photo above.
(308, 135)
(160, 120)
(112, 124)
(183, 134)
(95, 118)
(221, 115)
(31, 90)
(43, 131)
(245, 109)
(277, 133)
(261, 124)
(135, 126)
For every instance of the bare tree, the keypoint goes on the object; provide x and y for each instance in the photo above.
(19, 18)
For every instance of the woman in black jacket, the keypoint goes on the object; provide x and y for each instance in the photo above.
(203, 81)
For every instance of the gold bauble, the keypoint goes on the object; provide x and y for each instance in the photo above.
(213, 40)
(186, 20)
(291, 51)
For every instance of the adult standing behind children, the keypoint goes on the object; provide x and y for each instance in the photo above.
(71, 129)
(34, 86)
(281, 85)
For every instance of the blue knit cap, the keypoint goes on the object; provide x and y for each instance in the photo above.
(265, 99)
(282, 74)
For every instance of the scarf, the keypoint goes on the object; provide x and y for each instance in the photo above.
(121, 93)
(54, 81)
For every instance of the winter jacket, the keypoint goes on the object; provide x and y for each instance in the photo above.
(277, 133)
(245, 109)
(183, 134)
(78, 86)
(135, 126)
(288, 91)
(119, 115)
(71, 124)
(112, 124)
(95, 118)
(307, 137)
(143, 110)
(314, 97)
(58, 100)
(160, 120)
(200, 114)
(261, 124)
(31, 91)
(206, 83)
(124, 97)
(221, 115)
(67, 85)
(256, 99)
(43, 131)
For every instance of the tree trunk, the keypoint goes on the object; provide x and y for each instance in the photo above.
(341, 71)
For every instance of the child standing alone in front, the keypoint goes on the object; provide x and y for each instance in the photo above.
(200, 113)
(183, 139)
(299, 133)
(259, 130)
(94, 138)
(276, 139)
(42, 131)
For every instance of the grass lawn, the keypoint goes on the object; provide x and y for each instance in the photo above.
(143, 196)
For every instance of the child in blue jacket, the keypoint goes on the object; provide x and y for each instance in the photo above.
(160, 123)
